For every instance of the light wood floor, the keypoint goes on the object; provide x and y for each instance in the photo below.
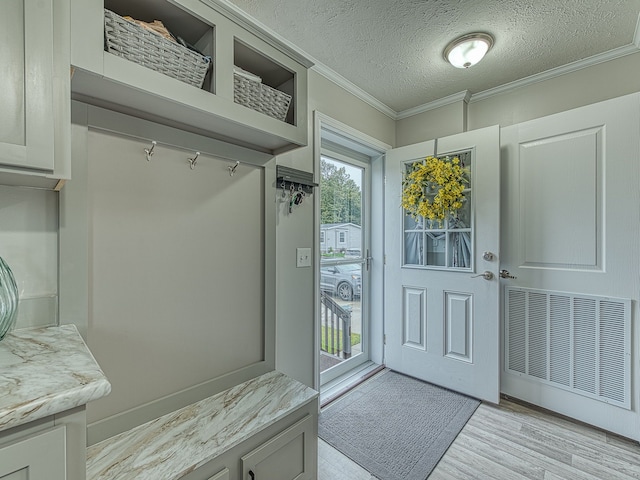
(512, 441)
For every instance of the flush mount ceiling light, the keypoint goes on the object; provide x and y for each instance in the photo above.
(468, 50)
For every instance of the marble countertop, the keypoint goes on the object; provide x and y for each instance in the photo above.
(177, 443)
(44, 371)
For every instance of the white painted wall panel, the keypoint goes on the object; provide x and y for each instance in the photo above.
(561, 191)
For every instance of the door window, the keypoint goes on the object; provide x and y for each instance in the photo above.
(343, 271)
(446, 244)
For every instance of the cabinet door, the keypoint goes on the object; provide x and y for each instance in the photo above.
(36, 457)
(284, 457)
(26, 93)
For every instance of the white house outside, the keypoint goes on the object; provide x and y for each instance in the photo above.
(341, 237)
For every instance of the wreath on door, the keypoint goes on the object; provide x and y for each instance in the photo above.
(434, 188)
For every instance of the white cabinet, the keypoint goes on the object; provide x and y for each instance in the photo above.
(40, 456)
(109, 80)
(34, 92)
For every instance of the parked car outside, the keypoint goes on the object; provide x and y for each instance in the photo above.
(345, 281)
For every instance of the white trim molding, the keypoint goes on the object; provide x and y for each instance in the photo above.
(463, 96)
(354, 90)
(558, 71)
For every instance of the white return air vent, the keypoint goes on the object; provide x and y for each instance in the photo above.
(575, 342)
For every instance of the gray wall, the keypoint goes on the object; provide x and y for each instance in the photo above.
(436, 123)
(295, 286)
(163, 268)
(29, 245)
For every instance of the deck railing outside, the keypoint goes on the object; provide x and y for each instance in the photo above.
(336, 328)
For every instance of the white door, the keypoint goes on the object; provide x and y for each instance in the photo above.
(441, 313)
(571, 234)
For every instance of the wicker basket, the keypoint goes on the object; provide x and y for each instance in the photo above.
(260, 97)
(132, 42)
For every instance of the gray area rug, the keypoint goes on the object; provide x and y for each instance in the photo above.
(394, 426)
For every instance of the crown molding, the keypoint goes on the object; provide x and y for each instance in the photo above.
(260, 30)
(463, 96)
(353, 89)
(556, 72)
(633, 47)
(265, 33)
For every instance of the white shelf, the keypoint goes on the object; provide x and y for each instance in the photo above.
(109, 81)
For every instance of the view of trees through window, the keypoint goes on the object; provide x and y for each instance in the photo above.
(341, 196)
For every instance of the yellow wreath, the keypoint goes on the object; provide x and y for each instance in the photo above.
(434, 188)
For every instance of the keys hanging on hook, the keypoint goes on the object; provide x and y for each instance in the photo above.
(284, 189)
(193, 161)
(296, 197)
(291, 197)
(299, 196)
(149, 151)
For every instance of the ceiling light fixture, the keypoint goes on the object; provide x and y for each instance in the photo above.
(468, 50)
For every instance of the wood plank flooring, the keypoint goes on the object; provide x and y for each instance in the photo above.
(513, 441)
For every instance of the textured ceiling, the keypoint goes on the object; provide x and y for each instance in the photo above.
(392, 49)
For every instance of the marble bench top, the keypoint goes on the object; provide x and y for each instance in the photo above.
(44, 371)
(177, 443)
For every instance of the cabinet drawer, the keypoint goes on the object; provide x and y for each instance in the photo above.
(284, 457)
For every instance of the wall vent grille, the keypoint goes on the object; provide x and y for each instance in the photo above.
(580, 343)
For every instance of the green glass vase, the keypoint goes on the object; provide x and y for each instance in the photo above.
(8, 299)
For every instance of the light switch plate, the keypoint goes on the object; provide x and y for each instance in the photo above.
(303, 257)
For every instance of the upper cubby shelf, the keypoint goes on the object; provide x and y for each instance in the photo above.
(252, 93)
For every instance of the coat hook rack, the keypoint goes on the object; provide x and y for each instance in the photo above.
(232, 170)
(149, 151)
(193, 161)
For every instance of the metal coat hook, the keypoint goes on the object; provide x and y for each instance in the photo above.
(232, 170)
(193, 161)
(149, 151)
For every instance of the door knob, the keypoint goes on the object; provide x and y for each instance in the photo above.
(506, 274)
(486, 275)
